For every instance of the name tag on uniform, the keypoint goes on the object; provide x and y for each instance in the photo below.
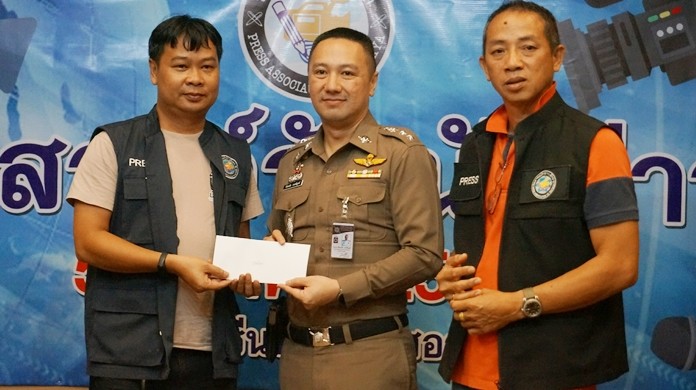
(342, 239)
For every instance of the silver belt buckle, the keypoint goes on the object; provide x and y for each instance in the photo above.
(320, 337)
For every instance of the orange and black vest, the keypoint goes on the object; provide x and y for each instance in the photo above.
(544, 236)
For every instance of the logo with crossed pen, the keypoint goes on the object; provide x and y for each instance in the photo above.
(277, 36)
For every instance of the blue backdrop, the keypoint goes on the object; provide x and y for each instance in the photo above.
(68, 66)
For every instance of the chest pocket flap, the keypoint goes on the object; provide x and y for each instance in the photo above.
(466, 189)
(366, 209)
(372, 192)
(134, 188)
(291, 199)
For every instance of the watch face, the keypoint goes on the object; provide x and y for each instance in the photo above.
(532, 308)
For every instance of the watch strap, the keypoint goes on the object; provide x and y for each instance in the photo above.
(529, 293)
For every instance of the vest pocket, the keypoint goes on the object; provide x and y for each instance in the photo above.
(134, 223)
(546, 193)
(465, 193)
(125, 328)
(135, 188)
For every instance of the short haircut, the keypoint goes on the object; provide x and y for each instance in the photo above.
(351, 35)
(194, 32)
(550, 26)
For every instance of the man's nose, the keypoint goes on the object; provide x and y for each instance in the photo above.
(333, 82)
(194, 76)
(513, 60)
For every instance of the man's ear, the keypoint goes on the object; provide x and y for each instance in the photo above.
(153, 71)
(373, 83)
(482, 64)
(558, 55)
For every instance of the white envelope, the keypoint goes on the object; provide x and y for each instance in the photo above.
(265, 261)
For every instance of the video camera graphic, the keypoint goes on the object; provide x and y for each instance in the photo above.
(631, 45)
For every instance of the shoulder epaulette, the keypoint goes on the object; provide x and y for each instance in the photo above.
(401, 133)
(303, 143)
(300, 147)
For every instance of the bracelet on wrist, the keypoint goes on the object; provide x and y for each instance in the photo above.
(162, 263)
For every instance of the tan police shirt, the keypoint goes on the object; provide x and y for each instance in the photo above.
(383, 183)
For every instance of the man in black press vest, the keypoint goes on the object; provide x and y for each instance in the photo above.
(545, 227)
(150, 194)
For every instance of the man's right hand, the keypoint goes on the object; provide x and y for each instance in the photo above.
(454, 279)
(277, 236)
(200, 274)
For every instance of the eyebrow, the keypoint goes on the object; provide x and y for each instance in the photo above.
(327, 65)
(209, 58)
(523, 38)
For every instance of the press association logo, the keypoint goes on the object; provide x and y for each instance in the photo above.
(277, 35)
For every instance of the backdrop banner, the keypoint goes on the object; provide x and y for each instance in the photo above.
(69, 66)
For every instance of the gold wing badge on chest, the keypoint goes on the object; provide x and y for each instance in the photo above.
(369, 161)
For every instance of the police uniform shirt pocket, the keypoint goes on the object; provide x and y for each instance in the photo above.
(365, 209)
(466, 190)
(290, 200)
(294, 203)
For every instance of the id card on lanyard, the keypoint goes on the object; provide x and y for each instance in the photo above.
(343, 235)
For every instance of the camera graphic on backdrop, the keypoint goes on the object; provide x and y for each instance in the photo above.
(630, 46)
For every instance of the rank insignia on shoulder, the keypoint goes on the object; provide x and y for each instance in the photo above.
(364, 173)
(370, 160)
(402, 133)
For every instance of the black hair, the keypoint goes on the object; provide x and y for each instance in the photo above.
(194, 32)
(351, 35)
(550, 26)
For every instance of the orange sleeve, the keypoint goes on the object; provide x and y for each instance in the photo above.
(608, 157)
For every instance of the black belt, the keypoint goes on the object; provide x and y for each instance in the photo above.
(321, 337)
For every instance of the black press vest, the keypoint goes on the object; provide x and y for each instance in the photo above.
(544, 236)
(129, 318)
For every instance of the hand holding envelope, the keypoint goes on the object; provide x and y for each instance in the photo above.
(265, 261)
(246, 286)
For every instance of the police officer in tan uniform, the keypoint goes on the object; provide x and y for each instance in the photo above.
(365, 197)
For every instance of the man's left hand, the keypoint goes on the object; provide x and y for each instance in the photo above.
(313, 291)
(246, 286)
(487, 311)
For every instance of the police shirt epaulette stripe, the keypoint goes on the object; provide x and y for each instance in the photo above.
(400, 133)
(300, 143)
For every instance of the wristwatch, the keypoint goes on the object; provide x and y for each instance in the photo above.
(531, 305)
(340, 298)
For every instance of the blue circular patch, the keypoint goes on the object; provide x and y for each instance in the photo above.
(231, 167)
(544, 184)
